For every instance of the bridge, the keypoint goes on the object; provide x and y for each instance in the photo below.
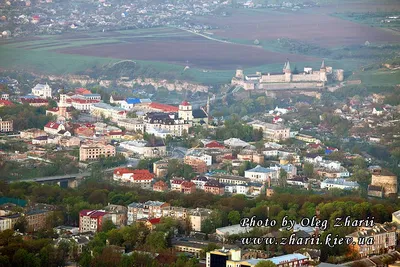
(68, 180)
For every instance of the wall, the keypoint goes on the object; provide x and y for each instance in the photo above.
(389, 183)
(273, 78)
(306, 77)
(282, 86)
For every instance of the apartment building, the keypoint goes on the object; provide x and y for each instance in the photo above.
(149, 209)
(95, 151)
(91, 220)
(6, 126)
(383, 236)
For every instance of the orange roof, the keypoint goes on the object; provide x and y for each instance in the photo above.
(82, 91)
(160, 183)
(163, 107)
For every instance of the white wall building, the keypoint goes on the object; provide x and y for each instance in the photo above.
(42, 91)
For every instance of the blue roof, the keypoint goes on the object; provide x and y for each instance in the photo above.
(258, 168)
(132, 100)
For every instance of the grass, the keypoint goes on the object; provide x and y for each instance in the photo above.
(48, 62)
(380, 77)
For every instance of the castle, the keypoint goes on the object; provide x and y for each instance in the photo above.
(308, 79)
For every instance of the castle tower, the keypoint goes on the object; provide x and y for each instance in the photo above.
(284, 67)
(288, 72)
(239, 74)
(185, 111)
(322, 72)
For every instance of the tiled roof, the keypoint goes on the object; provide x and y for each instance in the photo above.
(82, 91)
(163, 107)
(52, 125)
(92, 213)
(5, 103)
(214, 144)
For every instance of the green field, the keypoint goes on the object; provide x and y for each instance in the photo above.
(380, 77)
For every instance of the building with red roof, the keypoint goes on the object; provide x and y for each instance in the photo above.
(6, 103)
(91, 220)
(35, 102)
(142, 178)
(53, 127)
(82, 91)
(163, 107)
(160, 186)
(214, 144)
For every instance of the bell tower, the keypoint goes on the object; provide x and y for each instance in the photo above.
(288, 72)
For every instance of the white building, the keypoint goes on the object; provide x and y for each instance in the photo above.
(236, 189)
(261, 175)
(143, 148)
(185, 111)
(199, 154)
(132, 124)
(339, 183)
(42, 91)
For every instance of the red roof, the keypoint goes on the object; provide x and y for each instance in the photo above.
(116, 133)
(92, 213)
(82, 91)
(163, 107)
(214, 144)
(136, 174)
(228, 157)
(122, 171)
(52, 125)
(33, 100)
(154, 220)
(36, 17)
(5, 103)
(188, 184)
(185, 103)
(160, 183)
(314, 145)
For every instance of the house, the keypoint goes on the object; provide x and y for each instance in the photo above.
(118, 214)
(197, 217)
(84, 131)
(271, 131)
(198, 165)
(160, 168)
(6, 103)
(214, 187)
(142, 178)
(129, 103)
(376, 191)
(151, 223)
(116, 100)
(53, 127)
(160, 186)
(188, 187)
(200, 181)
(378, 111)
(91, 220)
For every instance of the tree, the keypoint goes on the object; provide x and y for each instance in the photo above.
(21, 225)
(156, 241)
(234, 217)
(266, 263)
(107, 226)
(308, 169)
(282, 178)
